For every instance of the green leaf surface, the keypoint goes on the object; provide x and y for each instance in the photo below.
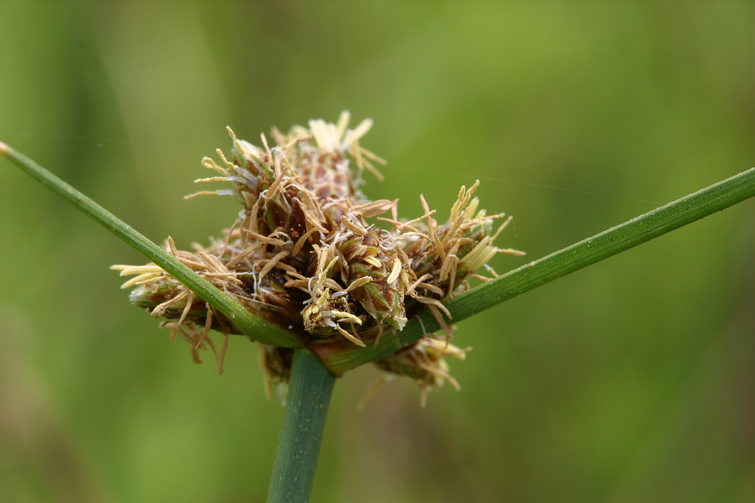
(301, 431)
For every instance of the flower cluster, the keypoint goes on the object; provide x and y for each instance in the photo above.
(309, 252)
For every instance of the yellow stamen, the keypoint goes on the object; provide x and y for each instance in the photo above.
(264, 239)
(359, 282)
(221, 355)
(420, 280)
(380, 332)
(434, 302)
(186, 310)
(432, 288)
(172, 247)
(373, 208)
(396, 271)
(225, 161)
(373, 389)
(207, 326)
(342, 124)
(202, 193)
(211, 164)
(211, 179)
(503, 226)
(160, 309)
(350, 337)
(138, 269)
(236, 142)
(373, 261)
(137, 279)
(271, 263)
(360, 130)
(347, 317)
(356, 228)
(439, 317)
(300, 242)
(509, 251)
(444, 375)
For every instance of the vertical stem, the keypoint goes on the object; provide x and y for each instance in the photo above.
(301, 431)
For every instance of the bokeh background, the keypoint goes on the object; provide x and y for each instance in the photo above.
(632, 380)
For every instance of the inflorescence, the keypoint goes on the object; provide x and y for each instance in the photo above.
(306, 254)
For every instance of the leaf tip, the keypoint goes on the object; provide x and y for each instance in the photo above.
(4, 148)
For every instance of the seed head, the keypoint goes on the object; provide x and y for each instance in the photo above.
(307, 253)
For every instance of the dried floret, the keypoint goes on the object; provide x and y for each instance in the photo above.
(424, 363)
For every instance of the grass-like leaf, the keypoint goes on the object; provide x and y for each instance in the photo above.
(253, 326)
(573, 258)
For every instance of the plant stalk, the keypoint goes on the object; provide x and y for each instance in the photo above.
(252, 326)
(651, 225)
(309, 392)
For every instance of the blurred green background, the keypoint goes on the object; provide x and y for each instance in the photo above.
(632, 380)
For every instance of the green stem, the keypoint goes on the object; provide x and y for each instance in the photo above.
(301, 432)
(252, 326)
(599, 247)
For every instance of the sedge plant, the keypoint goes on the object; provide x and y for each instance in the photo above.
(327, 280)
